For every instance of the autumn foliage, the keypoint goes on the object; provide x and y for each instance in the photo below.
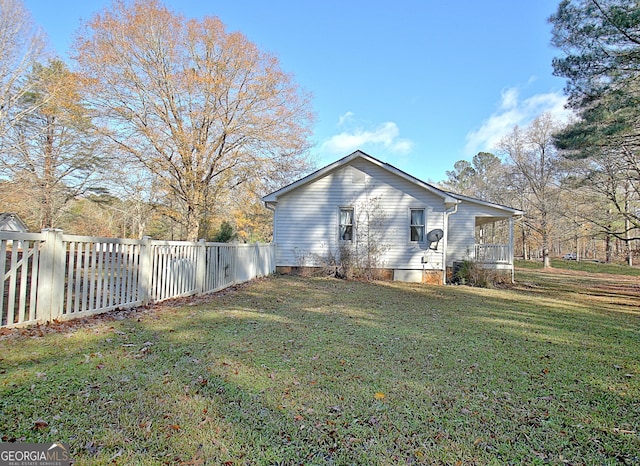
(199, 107)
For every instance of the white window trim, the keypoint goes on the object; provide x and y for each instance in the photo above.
(353, 224)
(424, 225)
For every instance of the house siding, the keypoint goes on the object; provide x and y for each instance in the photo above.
(306, 219)
(461, 234)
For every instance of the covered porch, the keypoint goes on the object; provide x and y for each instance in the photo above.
(494, 240)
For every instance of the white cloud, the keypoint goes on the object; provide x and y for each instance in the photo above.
(344, 118)
(509, 99)
(514, 111)
(385, 135)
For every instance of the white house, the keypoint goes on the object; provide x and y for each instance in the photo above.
(421, 232)
(12, 222)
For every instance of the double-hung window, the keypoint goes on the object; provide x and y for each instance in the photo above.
(416, 227)
(346, 224)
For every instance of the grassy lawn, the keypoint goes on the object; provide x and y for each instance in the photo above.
(291, 370)
(584, 266)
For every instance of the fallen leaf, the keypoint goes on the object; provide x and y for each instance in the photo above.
(146, 426)
(379, 396)
(40, 424)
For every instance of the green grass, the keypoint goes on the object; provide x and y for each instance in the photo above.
(584, 266)
(293, 370)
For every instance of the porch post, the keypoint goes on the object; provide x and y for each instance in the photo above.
(511, 252)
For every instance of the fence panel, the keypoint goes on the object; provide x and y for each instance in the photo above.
(220, 267)
(19, 257)
(174, 269)
(100, 275)
(51, 275)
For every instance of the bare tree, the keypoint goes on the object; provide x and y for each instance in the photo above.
(612, 177)
(51, 149)
(21, 46)
(537, 167)
(202, 109)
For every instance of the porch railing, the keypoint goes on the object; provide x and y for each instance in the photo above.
(493, 253)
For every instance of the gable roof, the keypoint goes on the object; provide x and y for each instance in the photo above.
(461, 197)
(273, 197)
(10, 221)
(449, 199)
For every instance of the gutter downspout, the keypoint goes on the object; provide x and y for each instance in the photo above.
(447, 213)
(511, 253)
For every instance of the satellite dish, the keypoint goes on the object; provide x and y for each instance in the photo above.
(434, 236)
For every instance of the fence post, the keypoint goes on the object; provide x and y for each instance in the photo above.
(146, 271)
(51, 276)
(255, 261)
(234, 264)
(272, 258)
(201, 267)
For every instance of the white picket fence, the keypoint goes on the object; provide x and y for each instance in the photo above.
(53, 276)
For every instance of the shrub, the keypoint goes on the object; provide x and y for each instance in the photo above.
(472, 274)
(225, 234)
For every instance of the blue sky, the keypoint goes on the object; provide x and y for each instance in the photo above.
(417, 84)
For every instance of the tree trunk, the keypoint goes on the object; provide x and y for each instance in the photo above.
(627, 228)
(546, 260)
(193, 227)
(48, 177)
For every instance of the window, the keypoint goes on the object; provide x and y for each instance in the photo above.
(417, 225)
(346, 224)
